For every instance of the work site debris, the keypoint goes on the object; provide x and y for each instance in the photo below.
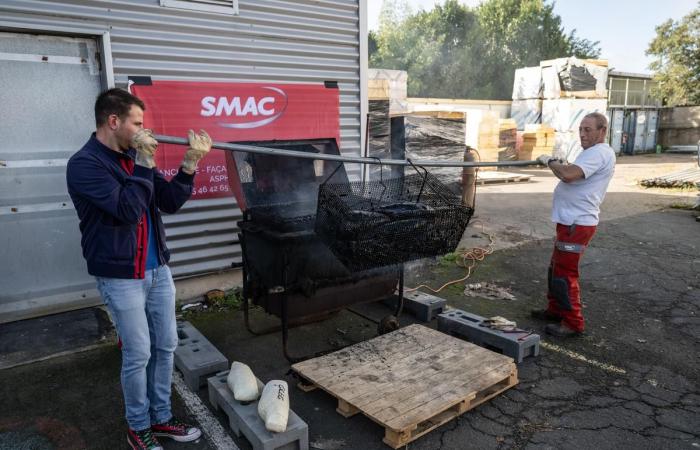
(688, 178)
(499, 323)
(573, 77)
(193, 306)
(488, 290)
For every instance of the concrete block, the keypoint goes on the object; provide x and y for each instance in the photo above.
(424, 307)
(244, 419)
(469, 326)
(195, 357)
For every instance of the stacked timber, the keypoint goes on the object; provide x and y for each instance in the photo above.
(489, 139)
(507, 139)
(537, 140)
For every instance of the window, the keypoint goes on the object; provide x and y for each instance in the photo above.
(216, 6)
(617, 91)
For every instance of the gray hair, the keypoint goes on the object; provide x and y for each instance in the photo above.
(600, 120)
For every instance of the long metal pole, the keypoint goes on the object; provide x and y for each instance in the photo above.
(351, 159)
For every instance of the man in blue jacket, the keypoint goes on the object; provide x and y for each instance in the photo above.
(119, 193)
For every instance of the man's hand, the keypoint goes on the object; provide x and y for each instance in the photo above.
(545, 159)
(145, 145)
(200, 144)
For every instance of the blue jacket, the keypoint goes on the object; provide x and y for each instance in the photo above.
(112, 197)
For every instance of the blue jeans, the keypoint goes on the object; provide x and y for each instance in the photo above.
(143, 312)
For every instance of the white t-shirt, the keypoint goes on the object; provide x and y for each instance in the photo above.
(579, 202)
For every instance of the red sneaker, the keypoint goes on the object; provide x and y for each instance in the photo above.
(142, 440)
(176, 430)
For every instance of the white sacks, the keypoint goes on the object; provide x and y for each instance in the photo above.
(273, 406)
(242, 383)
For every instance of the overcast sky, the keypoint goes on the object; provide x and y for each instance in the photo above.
(623, 27)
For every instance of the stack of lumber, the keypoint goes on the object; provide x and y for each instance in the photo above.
(507, 137)
(489, 138)
(497, 139)
(537, 140)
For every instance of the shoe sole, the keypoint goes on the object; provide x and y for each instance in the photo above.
(188, 438)
(134, 448)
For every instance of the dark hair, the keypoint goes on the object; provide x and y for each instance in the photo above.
(115, 101)
(600, 120)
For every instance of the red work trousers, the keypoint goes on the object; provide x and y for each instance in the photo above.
(563, 290)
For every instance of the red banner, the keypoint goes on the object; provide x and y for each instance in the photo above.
(234, 112)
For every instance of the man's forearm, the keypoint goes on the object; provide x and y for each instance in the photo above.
(566, 172)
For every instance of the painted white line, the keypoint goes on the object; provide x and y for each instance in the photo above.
(580, 357)
(212, 430)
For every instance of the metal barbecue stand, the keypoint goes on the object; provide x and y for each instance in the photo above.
(388, 323)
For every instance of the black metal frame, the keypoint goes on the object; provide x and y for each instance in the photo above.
(284, 316)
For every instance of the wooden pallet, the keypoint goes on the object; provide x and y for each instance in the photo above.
(483, 177)
(409, 381)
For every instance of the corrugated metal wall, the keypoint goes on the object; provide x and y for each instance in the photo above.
(293, 41)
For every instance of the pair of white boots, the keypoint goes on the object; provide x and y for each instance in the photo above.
(273, 407)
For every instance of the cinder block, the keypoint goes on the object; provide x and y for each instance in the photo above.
(244, 419)
(196, 357)
(469, 327)
(423, 306)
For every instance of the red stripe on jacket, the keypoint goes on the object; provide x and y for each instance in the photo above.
(141, 232)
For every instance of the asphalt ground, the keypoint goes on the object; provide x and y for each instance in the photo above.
(632, 382)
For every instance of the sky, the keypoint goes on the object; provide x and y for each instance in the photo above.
(623, 27)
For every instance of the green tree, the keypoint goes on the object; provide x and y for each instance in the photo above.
(521, 33)
(438, 48)
(677, 67)
(461, 52)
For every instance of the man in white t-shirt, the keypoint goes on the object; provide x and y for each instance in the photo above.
(575, 210)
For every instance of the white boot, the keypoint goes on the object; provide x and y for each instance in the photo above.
(242, 383)
(273, 407)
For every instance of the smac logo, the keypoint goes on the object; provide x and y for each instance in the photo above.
(259, 107)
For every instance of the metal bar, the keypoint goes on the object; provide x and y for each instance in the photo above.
(351, 159)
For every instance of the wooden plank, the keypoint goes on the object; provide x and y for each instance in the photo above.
(411, 383)
(374, 377)
(378, 89)
(398, 438)
(461, 387)
(411, 377)
(455, 362)
(447, 400)
(500, 177)
(365, 353)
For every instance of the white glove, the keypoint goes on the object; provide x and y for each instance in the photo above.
(545, 159)
(242, 383)
(145, 145)
(273, 407)
(200, 144)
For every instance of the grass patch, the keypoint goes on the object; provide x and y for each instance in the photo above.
(232, 299)
(448, 260)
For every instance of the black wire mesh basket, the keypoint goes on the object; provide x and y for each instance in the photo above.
(387, 222)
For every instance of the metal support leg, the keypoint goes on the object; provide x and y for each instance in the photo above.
(399, 305)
